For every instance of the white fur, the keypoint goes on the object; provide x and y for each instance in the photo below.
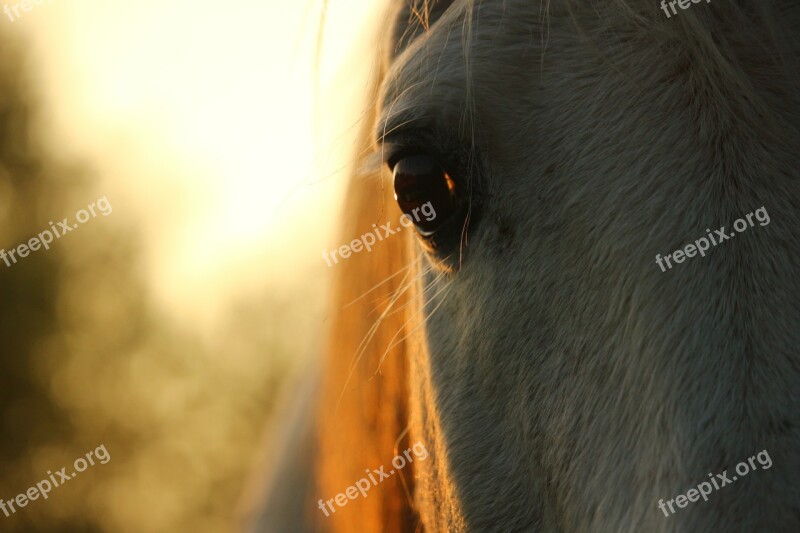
(564, 382)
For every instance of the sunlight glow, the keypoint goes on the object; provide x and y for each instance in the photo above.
(200, 115)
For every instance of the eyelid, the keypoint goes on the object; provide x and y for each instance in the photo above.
(397, 152)
(405, 142)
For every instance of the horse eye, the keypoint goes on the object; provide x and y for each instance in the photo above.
(421, 184)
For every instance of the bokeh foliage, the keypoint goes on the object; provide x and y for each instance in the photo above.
(86, 358)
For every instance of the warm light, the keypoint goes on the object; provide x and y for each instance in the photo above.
(200, 115)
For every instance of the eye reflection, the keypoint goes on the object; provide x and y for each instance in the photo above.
(421, 179)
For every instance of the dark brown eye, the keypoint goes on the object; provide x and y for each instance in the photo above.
(424, 191)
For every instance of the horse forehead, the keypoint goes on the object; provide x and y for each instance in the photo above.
(434, 73)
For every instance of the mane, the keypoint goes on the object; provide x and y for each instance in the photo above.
(362, 421)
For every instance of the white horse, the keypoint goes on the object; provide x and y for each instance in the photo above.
(560, 380)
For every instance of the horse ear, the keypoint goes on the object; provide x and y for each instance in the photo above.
(413, 18)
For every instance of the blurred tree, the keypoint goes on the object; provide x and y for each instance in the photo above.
(86, 359)
(28, 290)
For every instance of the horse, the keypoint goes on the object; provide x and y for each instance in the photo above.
(558, 378)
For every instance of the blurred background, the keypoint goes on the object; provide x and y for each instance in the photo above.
(167, 331)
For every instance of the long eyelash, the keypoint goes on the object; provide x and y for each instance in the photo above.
(411, 264)
(392, 344)
(404, 286)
